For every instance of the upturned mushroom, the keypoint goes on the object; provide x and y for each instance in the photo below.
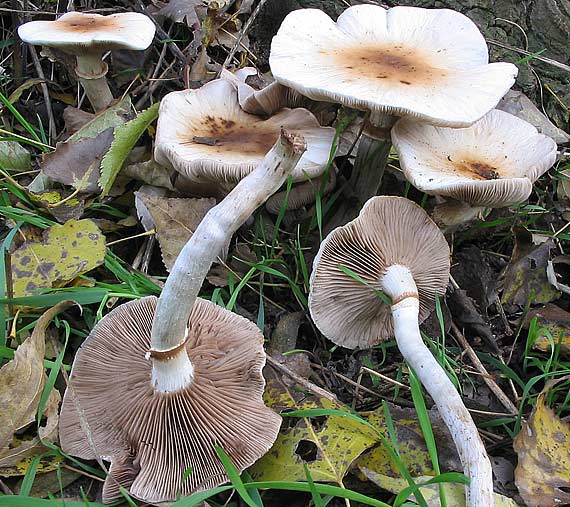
(395, 249)
(87, 37)
(431, 65)
(205, 135)
(158, 384)
(491, 164)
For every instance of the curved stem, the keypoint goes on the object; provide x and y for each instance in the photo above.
(400, 286)
(91, 71)
(213, 232)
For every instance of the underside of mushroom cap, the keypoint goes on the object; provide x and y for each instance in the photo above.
(76, 31)
(492, 163)
(205, 135)
(429, 64)
(389, 231)
(152, 439)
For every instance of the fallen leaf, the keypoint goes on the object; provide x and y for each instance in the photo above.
(22, 381)
(76, 162)
(543, 447)
(454, 493)
(14, 157)
(327, 445)
(555, 321)
(525, 277)
(64, 252)
(188, 11)
(124, 140)
(71, 209)
(176, 220)
(75, 118)
(563, 188)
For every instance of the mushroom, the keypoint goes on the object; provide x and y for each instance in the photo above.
(186, 375)
(427, 64)
(88, 36)
(393, 247)
(492, 163)
(206, 136)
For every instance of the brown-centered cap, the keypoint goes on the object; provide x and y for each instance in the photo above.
(429, 64)
(153, 438)
(492, 163)
(76, 32)
(205, 135)
(388, 231)
(264, 101)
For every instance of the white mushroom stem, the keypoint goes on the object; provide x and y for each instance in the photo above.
(399, 284)
(169, 327)
(91, 71)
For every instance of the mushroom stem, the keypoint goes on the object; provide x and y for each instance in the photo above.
(169, 327)
(91, 71)
(399, 284)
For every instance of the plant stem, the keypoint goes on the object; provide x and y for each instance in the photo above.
(91, 70)
(399, 284)
(216, 228)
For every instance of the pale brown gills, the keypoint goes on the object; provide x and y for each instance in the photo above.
(229, 136)
(476, 169)
(86, 23)
(390, 64)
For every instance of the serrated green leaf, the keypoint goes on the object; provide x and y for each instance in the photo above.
(125, 138)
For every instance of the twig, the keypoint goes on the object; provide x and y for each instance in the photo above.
(487, 378)
(52, 134)
(550, 61)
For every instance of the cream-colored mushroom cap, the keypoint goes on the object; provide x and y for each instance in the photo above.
(153, 438)
(389, 231)
(492, 163)
(429, 64)
(205, 135)
(76, 31)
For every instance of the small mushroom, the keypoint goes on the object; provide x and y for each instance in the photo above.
(492, 163)
(394, 247)
(159, 383)
(205, 135)
(88, 36)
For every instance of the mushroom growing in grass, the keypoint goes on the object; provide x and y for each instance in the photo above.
(87, 37)
(491, 164)
(205, 135)
(158, 384)
(431, 65)
(377, 278)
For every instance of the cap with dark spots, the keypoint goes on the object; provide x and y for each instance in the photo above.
(205, 135)
(388, 231)
(162, 444)
(76, 32)
(429, 64)
(492, 163)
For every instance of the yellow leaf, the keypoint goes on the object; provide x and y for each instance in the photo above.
(543, 448)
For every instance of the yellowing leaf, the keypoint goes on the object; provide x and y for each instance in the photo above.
(454, 493)
(543, 447)
(556, 321)
(64, 252)
(326, 445)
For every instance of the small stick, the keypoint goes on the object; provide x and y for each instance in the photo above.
(501, 396)
(52, 134)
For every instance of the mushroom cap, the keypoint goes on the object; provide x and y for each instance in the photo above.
(205, 135)
(75, 32)
(492, 163)
(150, 437)
(388, 231)
(429, 64)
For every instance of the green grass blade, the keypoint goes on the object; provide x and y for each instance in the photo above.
(317, 499)
(30, 476)
(233, 474)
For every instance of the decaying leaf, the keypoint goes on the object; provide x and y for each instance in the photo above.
(14, 157)
(326, 445)
(124, 139)
(525, 276)
(22, 381)
(76, 162)
(543, 447)
(563, 188)
(71, 209)
(176, 220)
(556, 321)
(411, 445)
(64, 252)
(188, 11)
(454, 492)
